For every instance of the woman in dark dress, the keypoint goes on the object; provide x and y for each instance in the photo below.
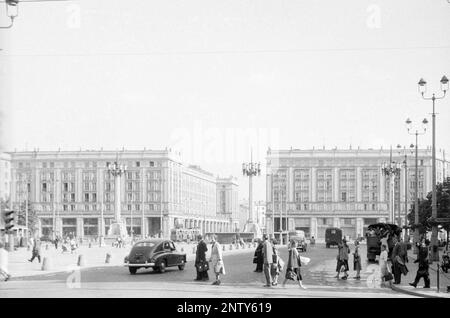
(258, 258)
(201, 265)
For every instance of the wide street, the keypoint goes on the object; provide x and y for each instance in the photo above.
(240, 281)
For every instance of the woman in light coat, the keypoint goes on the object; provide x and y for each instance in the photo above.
(293, 266)
(217, 260)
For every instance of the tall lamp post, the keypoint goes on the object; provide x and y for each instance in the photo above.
(117, 170)
(251, 170)
(416, 132)
(422, 89)
(391, 170)
(405, 164)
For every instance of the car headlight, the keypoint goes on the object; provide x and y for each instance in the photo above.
(125, 259)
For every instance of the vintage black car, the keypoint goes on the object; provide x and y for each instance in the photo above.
(155, 253)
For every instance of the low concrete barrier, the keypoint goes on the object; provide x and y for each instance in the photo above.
(47, 264)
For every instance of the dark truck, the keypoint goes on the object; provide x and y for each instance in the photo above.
(333, 236)
(375, 233)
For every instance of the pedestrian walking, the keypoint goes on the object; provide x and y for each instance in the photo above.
(4, 262)
(56, 242)
(399, 258)
(258, 257)
(385, 271)
(201, 264)
(293, 266)
(73, 245)
(357, 261)
(277, 265)
(268, 260)
(423, 268)
(342, 259)
(36, 250)
(217, 260)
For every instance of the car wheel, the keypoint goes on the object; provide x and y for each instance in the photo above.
(133, 270)
(328, 246)
(181, 267)
(162, 267)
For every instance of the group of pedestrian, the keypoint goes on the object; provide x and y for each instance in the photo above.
(343, 257)
(268, 260)
(216, 259)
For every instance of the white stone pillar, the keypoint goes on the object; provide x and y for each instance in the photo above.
(382, 187)
(313, 227)
(313, 185)
(336, 222)
(80, 232)
(359, 226)
(358, 185)
(335, 189)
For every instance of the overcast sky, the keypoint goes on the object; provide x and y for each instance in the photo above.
(210, 78)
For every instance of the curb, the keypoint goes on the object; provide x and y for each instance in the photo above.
(408, 292)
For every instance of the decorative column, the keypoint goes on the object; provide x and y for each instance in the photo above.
(251, 169)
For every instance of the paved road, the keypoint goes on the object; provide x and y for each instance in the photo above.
(240, 281)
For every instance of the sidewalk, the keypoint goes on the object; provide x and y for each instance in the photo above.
(94, 256)
(444, 280)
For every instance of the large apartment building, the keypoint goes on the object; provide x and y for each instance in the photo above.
(311, 190)
(73, 192)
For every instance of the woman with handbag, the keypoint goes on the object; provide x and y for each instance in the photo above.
(201, 264)
(293, 266)
(217, 260)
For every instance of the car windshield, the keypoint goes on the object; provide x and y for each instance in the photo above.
(145, 244)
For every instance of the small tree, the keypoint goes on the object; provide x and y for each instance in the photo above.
(425, 210)
(32, 217)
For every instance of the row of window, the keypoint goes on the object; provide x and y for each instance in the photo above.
(108, 207)
(89, 164)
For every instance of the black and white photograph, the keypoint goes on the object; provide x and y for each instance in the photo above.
(226, 151)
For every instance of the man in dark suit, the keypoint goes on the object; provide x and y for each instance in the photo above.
(399, 259)
(200, 260)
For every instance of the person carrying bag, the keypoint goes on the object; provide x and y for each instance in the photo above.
(293, 266)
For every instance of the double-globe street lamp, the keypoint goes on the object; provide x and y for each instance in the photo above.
(422, 89)
(392, 170)
(416, 132)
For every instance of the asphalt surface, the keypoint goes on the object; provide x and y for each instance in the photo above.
(240, 281)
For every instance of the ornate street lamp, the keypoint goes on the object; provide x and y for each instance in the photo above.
(251, 170)
(405, 165)
(118, 227)
(392, 170)
(416, 177)
(422, 85)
